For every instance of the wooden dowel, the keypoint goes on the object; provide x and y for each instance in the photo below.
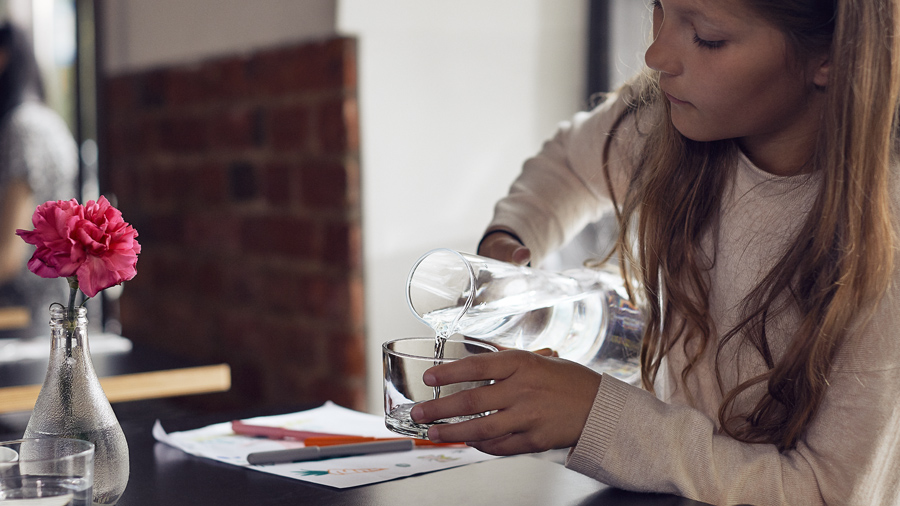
(135, 387)
(14, 318)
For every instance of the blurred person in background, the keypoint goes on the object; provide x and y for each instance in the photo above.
(38, 162)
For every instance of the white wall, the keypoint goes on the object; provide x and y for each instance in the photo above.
(142, 34)
(630, 23)
(454, 96)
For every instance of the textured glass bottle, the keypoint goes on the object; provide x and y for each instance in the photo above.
(72, 404)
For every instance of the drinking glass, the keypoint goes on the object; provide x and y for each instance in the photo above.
(405, 360)
(46, 472)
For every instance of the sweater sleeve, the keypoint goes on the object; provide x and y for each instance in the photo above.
(849, 455)
(563, 187)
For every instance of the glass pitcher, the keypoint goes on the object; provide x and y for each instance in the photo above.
(582, 314)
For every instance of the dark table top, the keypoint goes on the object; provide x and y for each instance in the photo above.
(163, 475)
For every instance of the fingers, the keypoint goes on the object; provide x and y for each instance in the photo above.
(547, 352)
(502, 246)
(463, 403)
(509, 444)
(487, 366)
(492, 366)
(502, 419)
(535, 403)
(495, 397)
(487, 430)
(503, 445)
(507, 431)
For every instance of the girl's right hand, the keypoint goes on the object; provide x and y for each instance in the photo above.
(500, 245)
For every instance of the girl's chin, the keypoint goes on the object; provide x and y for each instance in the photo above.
(690, 131)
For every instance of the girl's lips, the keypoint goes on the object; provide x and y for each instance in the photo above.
(675, 100)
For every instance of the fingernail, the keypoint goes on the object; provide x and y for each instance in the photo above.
(434, 435)
(428, 379)
(416, 413)
(521, 256)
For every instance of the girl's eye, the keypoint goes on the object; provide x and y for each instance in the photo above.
(708, 44)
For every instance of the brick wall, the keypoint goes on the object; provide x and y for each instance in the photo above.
(241, 176)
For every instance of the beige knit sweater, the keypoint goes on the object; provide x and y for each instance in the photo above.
(634, 440)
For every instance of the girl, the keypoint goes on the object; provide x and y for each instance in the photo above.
(752, 173)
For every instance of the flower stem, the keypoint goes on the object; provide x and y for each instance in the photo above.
(73, 291)
(70, 313)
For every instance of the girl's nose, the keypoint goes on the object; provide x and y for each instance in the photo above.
(661, 55)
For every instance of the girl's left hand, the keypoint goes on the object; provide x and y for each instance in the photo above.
(537, 403)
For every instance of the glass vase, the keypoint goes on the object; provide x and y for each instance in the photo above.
(72, 404)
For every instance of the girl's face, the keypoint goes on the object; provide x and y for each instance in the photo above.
(728, 74)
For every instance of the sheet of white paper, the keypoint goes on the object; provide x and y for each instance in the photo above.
(218, 442)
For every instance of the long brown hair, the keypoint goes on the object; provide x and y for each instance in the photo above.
(841, 259)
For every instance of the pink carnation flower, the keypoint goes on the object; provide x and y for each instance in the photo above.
(91, 242)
